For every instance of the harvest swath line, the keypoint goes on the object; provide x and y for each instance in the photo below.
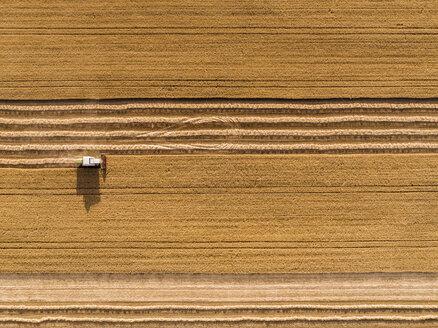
(220, 307)
(223, 120)
(225, 147)
(223, 319)
(298, 134)
(29, 133)
(231, 104)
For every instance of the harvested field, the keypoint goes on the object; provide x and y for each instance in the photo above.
(226, 201)
(56, 132)
(321, 300)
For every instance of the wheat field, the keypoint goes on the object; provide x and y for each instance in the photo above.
(269, 163)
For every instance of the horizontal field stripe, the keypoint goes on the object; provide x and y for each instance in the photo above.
(222, 319)
(33, 131)
(188, 120)
(219, 133)
(222, 105)
(221, 147)
(221, 307)
(37, 162)
(349, 289)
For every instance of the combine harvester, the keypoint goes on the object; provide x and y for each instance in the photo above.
(90, 161)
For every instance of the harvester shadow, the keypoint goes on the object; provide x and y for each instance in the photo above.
(88, 186)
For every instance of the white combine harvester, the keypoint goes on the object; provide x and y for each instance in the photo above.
(90, 161)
